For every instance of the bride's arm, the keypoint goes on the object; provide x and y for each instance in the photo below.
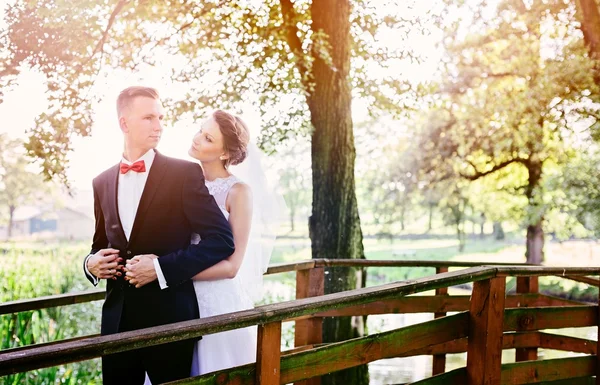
(239, 206)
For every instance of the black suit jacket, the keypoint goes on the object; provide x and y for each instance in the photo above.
(175, 203)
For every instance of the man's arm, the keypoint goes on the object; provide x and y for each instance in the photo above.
(101, 262)
(206, 219)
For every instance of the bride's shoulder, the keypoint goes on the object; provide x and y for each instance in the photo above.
(239, 194)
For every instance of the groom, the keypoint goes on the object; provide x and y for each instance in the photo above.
(149, 205)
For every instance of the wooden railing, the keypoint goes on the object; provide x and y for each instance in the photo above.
(488, 322)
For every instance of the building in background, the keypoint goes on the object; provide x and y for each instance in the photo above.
(73, 219)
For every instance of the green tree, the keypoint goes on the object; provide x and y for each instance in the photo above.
(577, 198)
(312, 56)
(514, 85)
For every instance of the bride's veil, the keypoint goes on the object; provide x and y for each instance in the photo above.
(268, 210)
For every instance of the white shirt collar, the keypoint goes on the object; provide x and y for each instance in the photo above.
(148, 158)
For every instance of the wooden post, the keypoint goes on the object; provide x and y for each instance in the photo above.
(486, 315)
(309, 283)
(439, 360)
(268, 354)
(526, 285)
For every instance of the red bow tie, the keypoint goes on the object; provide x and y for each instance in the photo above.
(138, 166)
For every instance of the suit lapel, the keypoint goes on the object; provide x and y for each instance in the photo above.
(157, 172)
(113, 203)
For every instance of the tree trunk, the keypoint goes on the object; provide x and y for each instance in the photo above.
(460, 234)
(430, 224)
(402, 215)
(498, 231)
(534, 251)
(335, 225)
(588, 13)
(482, 225)
(292, 220)
(535, 243)
(11, 214)
(589, 16)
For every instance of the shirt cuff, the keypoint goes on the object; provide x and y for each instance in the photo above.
(95, 279)
(161, 278)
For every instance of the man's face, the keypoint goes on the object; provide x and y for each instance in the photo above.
(142, 123)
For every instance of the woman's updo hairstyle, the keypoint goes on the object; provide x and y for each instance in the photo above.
(235, 137)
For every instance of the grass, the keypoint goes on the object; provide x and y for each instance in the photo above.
(27, 271)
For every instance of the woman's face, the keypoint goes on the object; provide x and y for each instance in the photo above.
(207, 145)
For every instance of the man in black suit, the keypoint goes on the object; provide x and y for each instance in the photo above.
(148, 206)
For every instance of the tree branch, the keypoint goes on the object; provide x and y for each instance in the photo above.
(113, 16)
(290, 18)
(479, 174)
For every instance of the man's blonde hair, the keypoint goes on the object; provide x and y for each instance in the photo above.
(130, 93)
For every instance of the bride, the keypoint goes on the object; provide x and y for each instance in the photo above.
(233, 284)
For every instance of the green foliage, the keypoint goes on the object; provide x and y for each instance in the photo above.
(30, 272)
(224, 53)
(576, 195)
(516, 87)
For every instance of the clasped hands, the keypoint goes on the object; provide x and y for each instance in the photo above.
(139, 270)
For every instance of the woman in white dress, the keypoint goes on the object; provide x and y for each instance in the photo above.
(223, 141)
(235, 283)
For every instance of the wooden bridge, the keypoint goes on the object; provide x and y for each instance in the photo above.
(486, 322)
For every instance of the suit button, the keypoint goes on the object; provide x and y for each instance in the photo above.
(128, 252)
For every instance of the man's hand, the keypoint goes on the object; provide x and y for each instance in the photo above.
(105, 264)
(140, 270)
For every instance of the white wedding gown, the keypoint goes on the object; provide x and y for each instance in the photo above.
(235, 347)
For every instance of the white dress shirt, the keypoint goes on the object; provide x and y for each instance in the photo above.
(130, 189)
(131, 186)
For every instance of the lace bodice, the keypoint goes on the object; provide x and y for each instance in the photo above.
(219, 189)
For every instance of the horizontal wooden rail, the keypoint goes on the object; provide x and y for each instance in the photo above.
(535, 372)
(515, 341)
(583, 279)
(405, 263)
(533, 271)
(37, 357)
(99, 294)
(441, 303)
(51, 301)
(572, 370)
(528, 319)
(503, 269)
(313, 263)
